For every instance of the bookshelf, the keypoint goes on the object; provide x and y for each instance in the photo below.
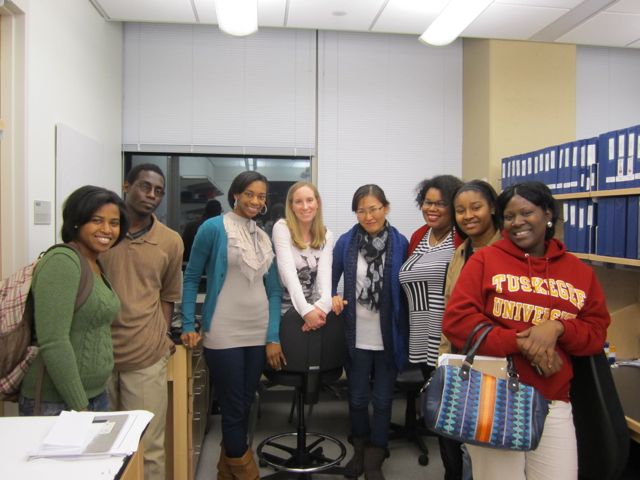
(620, 192)
(594, 194)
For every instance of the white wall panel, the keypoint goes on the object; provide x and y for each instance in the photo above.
(390, 112)
(607, 93)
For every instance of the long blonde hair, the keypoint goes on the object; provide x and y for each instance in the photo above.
(318, 230)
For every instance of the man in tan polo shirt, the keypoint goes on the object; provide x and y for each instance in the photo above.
(145, 271)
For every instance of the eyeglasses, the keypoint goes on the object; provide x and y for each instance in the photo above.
(439, 204)
(262, 197)
(371, 211)
(146, 187)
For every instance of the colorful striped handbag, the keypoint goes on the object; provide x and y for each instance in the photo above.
(470, 406)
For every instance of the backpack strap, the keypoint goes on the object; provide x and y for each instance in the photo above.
(86, 275)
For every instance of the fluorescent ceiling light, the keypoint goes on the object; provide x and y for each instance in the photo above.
(237, 17)
(454, 18)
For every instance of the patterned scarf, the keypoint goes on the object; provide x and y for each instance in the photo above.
(372, 249)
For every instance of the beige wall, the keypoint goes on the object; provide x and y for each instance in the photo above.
(518, 97)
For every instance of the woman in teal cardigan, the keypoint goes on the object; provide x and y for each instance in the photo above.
(75, 357)
(241, 313)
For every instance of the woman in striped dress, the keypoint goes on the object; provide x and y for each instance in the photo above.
(422, 277)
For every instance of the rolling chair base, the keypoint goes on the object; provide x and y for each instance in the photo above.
(412, 430)
(300, 462)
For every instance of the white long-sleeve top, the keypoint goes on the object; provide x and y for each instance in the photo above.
(305, 274)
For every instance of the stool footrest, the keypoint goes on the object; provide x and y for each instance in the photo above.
(311, 458)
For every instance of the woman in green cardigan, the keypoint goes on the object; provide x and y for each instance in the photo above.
(75, 357)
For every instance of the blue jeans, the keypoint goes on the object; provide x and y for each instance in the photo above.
(26, 406)
(235, 373)
(363, 368)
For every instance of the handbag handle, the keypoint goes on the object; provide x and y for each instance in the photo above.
(484, 329)
(513, 382)
(476, 329)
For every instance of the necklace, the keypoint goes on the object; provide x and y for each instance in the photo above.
(436, 240)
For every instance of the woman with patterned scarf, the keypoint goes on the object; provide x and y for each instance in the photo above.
(376, 325)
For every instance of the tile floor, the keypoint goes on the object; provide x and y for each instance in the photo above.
(330, 416)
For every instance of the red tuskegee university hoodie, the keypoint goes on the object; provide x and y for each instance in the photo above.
(515, 291)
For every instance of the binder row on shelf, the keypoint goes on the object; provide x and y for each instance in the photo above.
(617, 232)
(610, 161)
(619, 159)
(601, 225)
(608, 226)
(580, 225)
(567, 168)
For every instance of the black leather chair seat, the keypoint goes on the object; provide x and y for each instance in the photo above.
(314, 359)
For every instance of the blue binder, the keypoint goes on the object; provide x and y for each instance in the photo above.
(569, 215)
(636, 156)
(574, 168)
(592, 225)
(629, 159)
(619, 230)
(604, 242)
(582, 243)
(553, 169)
(592, 159)
(633, 210)
(621, 158)
(563, 172)
(607, 164)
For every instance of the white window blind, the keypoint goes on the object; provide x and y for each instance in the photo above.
(390, 113)
(191, 88)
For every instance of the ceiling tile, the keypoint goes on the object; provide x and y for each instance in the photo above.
(513, 22)
(206, 11)
(358, 14)
(625, 6)
(270, 12)
(172, 11)
(543, 3)
(606, 29)
(408, 16)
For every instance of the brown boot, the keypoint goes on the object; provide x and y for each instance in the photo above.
(224, 472)
(373, 458)
(355, 466)
(244, 467)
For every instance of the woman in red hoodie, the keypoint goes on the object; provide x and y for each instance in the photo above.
(546, 305)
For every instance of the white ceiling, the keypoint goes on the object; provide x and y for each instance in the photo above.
(612, 23)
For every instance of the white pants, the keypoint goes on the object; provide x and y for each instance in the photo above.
(556, 457)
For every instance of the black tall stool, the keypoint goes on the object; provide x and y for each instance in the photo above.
(314, 359)
(410, 381)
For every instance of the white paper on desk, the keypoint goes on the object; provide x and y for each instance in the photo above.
(70, 430)
(125, 443)
(129, 437)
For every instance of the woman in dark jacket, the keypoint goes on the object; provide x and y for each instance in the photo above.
(369, 256)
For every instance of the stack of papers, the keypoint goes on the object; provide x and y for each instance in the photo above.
(496, 366)
(90, 434)
(629, 363)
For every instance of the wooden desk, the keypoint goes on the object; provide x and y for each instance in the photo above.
(187, 413)
(135, 466)
(178, 429)
(20, 435)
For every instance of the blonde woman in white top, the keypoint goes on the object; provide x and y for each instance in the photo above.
(304, 253)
